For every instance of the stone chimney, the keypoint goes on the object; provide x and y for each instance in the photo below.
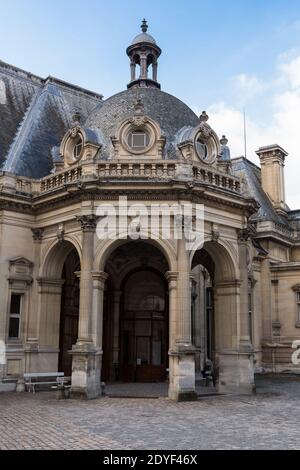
(272, 159)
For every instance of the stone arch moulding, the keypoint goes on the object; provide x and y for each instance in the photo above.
(106, 247)
(224, 257)
(55, 254)
(139, 122)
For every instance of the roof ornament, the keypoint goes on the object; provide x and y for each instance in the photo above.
(144, 26)
(224, 140)
(76, 118)
(139, 107)
(203, 117)
(225, 150)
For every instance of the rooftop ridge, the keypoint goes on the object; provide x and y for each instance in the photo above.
(43, 81)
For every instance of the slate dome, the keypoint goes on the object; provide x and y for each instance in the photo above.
(143, 37)
(168, 111)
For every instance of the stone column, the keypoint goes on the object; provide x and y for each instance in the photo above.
(132, 69)
(154, 71)
(99, 279)
(86, 363)
(143, 60)
(182, 352)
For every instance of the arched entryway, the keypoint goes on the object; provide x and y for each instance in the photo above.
(59, 305)
(69, 313)
(135, 329)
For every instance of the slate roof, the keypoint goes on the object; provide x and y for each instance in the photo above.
(35, 113)
(252, 174)
(169, 112)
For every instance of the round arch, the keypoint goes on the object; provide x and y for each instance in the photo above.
(106, 247)
(224, 259)
(55, 256)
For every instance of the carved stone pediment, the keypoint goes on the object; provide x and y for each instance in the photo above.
(20, 270)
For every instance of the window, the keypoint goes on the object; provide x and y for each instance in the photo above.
(298, 306)
(250, 315)
(15, 316)
(138, 140)
(77, 148)
(209, 322)
(201, 148)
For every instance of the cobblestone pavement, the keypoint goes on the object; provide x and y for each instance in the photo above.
(268, 420)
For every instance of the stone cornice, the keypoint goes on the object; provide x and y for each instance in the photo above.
(171, 190)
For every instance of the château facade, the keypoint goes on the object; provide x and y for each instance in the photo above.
(145, 309)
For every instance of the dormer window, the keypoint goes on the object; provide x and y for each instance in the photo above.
(138, 140)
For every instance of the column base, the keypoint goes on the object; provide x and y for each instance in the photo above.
(182, 373)
(86, 372)
(236, 373)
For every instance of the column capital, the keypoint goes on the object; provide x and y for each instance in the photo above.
(243, 234)
(99, 279)
(37, 234)
(88, 222)
(172, 277)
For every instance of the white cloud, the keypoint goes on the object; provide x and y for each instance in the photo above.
(291, 71)
(279, 121)
(247, 86)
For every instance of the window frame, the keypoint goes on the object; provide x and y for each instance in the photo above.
(298, 307)
(15, 315)
(130, 139)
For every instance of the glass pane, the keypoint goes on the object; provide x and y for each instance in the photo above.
(128, 347)
(142, 351)
(138, 140)
(14, 323)
(15, 303)
(156, 352)
(201, 149)
(143, 327)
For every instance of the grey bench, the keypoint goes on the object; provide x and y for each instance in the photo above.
(34, 379)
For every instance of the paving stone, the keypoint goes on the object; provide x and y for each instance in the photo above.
(267, 420)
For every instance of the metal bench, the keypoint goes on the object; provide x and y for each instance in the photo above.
(34, 379)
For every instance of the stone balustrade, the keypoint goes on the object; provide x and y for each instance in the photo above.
(150, 169)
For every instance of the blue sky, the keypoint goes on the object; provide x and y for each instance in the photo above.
(217, 55)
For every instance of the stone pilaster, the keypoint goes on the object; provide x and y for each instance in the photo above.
(235, 358)
(245, 340)
(181, 352)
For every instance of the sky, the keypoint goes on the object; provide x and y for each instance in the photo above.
(222, 56)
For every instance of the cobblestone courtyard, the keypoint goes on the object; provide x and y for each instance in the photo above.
(268, 420)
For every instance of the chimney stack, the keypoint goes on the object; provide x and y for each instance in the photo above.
(272, 159)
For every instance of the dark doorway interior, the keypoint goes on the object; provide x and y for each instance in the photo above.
(69, 311)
